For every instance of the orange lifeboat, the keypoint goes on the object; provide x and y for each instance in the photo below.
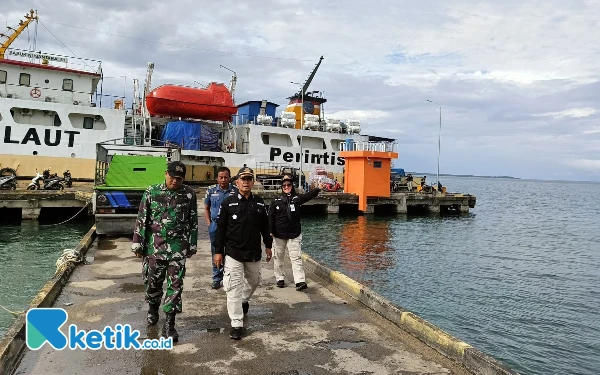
(212, 103)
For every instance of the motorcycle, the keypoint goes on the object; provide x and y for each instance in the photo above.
(8, 182)
(51, 181)
(330, 186)
(35, 182)
(67, 179)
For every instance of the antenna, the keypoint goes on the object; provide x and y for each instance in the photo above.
(233, 82)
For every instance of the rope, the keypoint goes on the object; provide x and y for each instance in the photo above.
(66, 221)
(68, 256)
(12, 312)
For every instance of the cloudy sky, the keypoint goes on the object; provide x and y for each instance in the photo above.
(518, 81)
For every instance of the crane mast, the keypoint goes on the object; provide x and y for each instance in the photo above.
(32, 16)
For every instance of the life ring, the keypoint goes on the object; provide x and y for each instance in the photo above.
(35, 93)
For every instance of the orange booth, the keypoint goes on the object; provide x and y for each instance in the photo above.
(367, 174)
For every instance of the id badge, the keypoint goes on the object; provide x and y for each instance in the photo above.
(292, 208)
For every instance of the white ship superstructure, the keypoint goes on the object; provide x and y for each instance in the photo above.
(52, 115)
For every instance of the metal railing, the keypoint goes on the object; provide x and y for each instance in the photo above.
(351, 145)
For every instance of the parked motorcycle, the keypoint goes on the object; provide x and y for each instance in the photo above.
(331, 186)
(67, 179)
(50, 181)
(8, 182)
(35, 182)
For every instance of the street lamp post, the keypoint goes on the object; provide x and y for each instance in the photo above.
(301, 130)
(439, 142)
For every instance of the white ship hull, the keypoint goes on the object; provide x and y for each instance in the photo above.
(27, 147)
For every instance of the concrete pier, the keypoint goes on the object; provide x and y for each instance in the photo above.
(318, 331)
(31, 203)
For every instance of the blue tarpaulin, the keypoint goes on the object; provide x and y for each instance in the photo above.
(191, 136)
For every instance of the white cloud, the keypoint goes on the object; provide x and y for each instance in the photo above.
(516, 79)
(359, 114)
(587, 164)
(573, 112)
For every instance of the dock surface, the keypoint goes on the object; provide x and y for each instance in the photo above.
(317, 331)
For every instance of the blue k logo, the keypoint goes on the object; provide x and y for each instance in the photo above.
(44, 325)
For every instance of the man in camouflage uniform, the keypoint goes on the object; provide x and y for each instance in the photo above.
(166, 233)
(215, 195)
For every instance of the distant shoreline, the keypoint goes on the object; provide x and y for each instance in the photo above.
(461, 175)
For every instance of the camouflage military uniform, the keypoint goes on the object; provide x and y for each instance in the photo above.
(166, 232)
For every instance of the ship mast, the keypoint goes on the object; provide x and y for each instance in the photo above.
(232, 84)
(32, 16)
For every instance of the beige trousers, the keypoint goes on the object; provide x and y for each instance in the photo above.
(294, 247)
(240, 280)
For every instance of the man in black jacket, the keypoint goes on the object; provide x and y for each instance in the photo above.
(284, 223)
(241, 222)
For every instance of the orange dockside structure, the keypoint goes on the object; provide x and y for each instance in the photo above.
(367, 174)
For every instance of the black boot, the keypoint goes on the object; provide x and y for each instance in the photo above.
(168, 329)
(153, 314)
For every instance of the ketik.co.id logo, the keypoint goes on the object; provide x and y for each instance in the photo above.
(43, 325)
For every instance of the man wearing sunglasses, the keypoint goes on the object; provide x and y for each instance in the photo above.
(241, 222)
(284, 224)
(166, 233)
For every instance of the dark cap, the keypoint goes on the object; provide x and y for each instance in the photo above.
(176, 169)
(245, 172)
(286, 178)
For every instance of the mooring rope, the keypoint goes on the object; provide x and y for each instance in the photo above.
(66, 221)
(68, 256)
(12, 312)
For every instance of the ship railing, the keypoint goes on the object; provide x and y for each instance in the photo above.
(54, 60)
(54, 95)
(351, 145)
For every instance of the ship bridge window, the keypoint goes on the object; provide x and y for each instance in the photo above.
(313, 142)
(2, 76)
(67, 84)
(87, 121)
(24, 79)
(276, 139)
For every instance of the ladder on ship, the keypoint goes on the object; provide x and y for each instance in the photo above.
(132, 135)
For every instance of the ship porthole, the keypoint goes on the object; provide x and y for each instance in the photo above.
(35, 153)
(72, 155)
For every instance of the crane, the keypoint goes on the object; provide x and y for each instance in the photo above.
(31, 16)
(308, 81)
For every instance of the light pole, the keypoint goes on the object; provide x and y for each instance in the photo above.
(439, 142)
(301, 130)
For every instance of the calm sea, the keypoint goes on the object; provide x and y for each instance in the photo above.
(518, 277)
(28, 255)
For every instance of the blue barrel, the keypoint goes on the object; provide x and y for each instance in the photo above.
(349, 144)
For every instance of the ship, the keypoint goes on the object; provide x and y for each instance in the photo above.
(53, 113)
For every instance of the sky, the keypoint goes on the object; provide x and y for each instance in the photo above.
(518, 81)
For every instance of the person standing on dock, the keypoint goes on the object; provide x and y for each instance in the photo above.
(409, 182)
(284, 225)
(241, 222)
(166, 233)
(215, 195)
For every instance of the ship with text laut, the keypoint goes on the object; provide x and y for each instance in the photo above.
(53, 112)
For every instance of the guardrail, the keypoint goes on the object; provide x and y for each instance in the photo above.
(368, 146)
